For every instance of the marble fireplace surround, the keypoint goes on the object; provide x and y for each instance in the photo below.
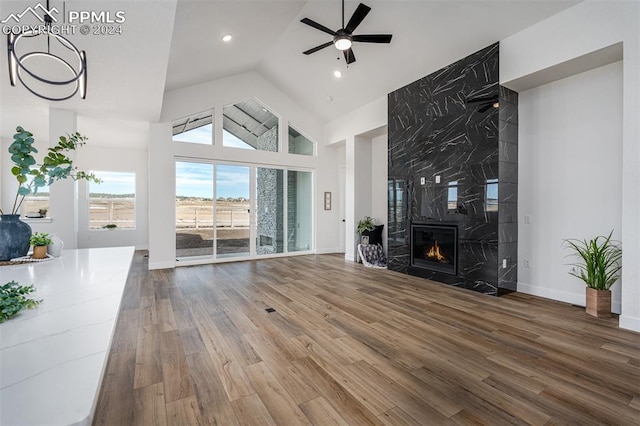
(452, 163)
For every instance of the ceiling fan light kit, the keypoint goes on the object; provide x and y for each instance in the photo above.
(344, 38)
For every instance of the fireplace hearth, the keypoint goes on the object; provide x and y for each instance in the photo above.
(435, 247)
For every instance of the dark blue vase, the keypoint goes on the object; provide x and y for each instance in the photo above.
(14, 237)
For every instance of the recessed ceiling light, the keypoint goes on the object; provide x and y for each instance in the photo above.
(227, 38)
(337, 73)
(496, 104)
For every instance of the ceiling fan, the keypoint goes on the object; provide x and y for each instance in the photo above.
(343, 38)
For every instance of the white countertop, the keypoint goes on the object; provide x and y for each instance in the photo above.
(52, 358)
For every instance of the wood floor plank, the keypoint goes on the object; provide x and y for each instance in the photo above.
(251, 411)
(116, 405)
(148, 369)
(358, 346)
(238, 345)
(183, 412)
(148, 314)
(125, 338)
(213, 404)
(289, 376)
(175, 372)
(228, 369)
(320, 412)
(150, 406)
(343, 402)
(397, 417)
(278, 402)
(166, 317)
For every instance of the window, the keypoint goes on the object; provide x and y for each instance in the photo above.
(249, 125)
(112, 203)
(37, 205)
(298, 144)
(491, 196)
(452, 196)
(197, 128)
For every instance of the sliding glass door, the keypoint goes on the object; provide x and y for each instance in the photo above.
(233, 211)
(194, 209)
(237, 210)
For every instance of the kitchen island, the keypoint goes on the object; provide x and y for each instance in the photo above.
(53, 357)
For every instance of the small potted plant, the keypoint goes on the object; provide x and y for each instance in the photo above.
(365, 224)
(599, 267)
(40, 241)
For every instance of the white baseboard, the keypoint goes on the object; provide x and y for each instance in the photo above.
(562, 296)
(142, 247)
(161, 265)
(629, 323)
(327, 251)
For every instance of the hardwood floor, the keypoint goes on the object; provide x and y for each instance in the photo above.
(357, 346)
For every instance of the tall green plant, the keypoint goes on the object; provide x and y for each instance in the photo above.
(601, 261)
(55, 166)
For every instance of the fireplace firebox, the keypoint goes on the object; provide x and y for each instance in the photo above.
(435, 247)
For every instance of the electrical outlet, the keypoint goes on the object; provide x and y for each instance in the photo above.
(422, 181)
(526, 263)
(504, 263)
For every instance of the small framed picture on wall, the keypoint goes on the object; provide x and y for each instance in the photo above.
(364, 240)
(327, 201)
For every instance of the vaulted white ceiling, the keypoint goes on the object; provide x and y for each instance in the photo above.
(167, 45)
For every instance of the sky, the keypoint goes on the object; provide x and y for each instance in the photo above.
(204, 135)
(196, 180)
(114, 183)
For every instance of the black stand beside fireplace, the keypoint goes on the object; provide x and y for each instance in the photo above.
(435, 247)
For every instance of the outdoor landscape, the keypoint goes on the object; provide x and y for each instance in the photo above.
(194, 220)
(194, 226)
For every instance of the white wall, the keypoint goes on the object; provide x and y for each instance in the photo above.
(217, 94)
(362, 120)
(584, 28)
(361, 140)
(570, 176)
(114, 160)
(379, 204)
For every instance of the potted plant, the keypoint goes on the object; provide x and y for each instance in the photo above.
(31, 175)
(365, 224)
(599, 267)
(40, 241)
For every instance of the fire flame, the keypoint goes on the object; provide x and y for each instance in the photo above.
(434, 253)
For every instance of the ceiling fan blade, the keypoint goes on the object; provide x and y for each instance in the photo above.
(373, 38)
(349, 56)
(317, 26)
(315, 49)
(361, 11)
